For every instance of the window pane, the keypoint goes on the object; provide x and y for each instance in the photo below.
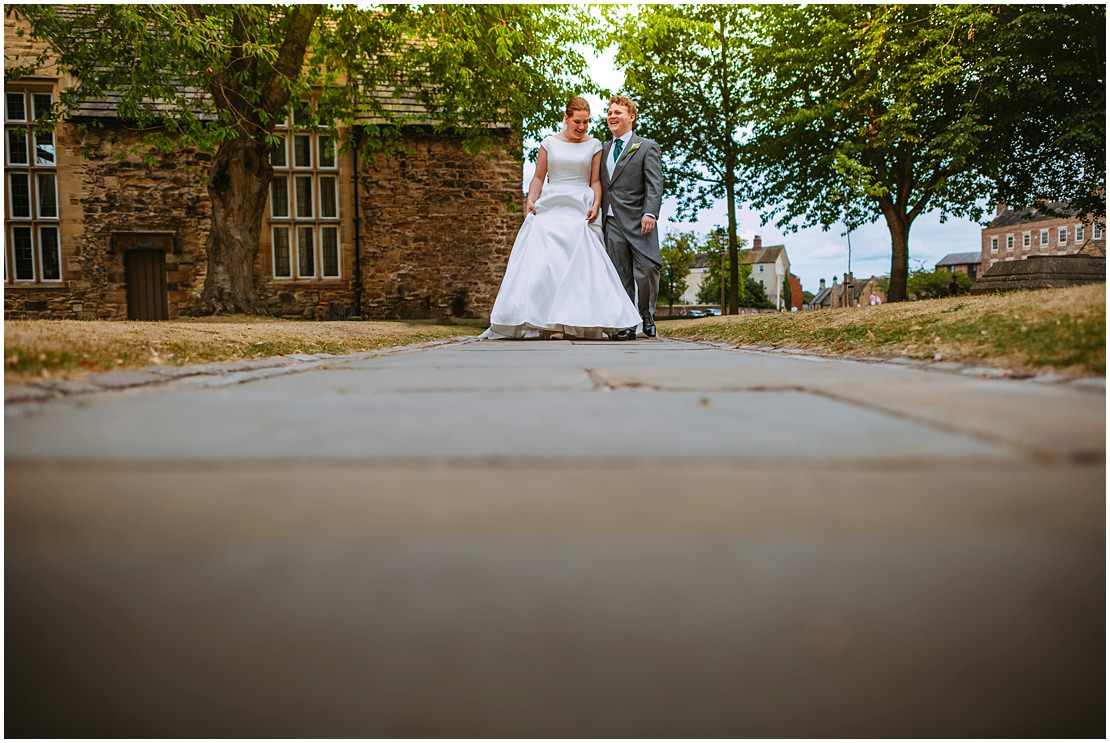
(327, 152)
(17, 146)
(1078, 234)
(1044, 237)
(51, 260)
(281, 252)
(44, 148)
(278, 157)
(329, 250)
(328, 205)
(304, 196)
(279, 197)
(306, 256)
(19, 190)
(302, 151)
(23, 254)
(1062, 235)
(1096, 233)
(15, 107)
(302, 113)
(41, 103)
(48, 195)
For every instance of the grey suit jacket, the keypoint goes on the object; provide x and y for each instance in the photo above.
(635, 189)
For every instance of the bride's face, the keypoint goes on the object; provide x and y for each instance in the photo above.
(578, 123)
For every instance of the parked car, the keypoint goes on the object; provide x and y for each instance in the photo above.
(712, 312)
(696, 313)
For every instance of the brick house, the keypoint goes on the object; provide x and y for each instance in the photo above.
(93, 231)
(1019, 234)
(965, 263)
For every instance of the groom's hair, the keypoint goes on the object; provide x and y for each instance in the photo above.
(623, 100)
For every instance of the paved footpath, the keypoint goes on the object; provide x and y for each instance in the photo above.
(556, 539)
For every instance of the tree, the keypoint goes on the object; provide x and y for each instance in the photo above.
(861, 112)
(787, 295)
(865, 111)
(685, 64)
(677, 251)
(220, 77)
(1046, 84)
(925, 284)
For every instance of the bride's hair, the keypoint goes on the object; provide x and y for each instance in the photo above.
(577, 103)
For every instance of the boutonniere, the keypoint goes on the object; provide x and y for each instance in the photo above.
(632, 149)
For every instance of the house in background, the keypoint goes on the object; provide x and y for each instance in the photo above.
(770, 267)
(94, 232)
(699, 270)
(850, 293)
(966, 263)
(1019, 234)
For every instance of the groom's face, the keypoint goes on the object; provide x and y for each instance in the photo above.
(620, 120)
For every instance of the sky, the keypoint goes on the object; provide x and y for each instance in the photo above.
(814, 254)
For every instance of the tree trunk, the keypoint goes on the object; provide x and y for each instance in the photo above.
(238, 183)
(733, 259)
(899, 226)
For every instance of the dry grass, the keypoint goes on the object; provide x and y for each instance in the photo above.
(71, 348)
(1063, 330)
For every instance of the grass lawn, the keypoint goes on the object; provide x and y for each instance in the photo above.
(1062, 330)
(34, 349)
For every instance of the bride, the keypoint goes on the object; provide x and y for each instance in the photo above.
(559, 281)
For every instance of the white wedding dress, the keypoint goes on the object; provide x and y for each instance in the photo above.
(559, 278)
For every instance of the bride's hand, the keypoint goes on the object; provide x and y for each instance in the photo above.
(531, 207)
(591, 215)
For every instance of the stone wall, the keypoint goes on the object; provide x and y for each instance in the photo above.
(105, 187)
(437, 227)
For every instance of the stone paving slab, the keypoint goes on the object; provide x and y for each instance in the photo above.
(655, 539)
(548, 600)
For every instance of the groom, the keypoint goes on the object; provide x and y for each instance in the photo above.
(631, 194)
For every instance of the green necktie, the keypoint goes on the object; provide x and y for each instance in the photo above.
(617, 147)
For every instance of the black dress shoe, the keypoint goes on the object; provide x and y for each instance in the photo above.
(649, 326)
(628, 334)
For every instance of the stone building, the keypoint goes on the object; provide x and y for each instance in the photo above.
(94, 230)
(770, 267)
(1019, 234)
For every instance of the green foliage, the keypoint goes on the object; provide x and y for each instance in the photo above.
(684, 64)
(861, 112)
(677, 251)
(924, 284)
(787, 293)
(203, 74)
(807, 296)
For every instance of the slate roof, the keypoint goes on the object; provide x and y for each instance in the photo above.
(763, 255)
(406, 106)
(960, 259)
(1031, 214)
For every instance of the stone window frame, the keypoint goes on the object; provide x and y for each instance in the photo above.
(1026, 239)
(994, 243)
(1062, 236)
(1044, 236)
(1079, 233)
(1009, 241)
(298, 227)
(1096, 232)
(36, 224)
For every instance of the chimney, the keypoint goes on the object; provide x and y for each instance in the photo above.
(822, 285)
(999, 208)
(757, 243)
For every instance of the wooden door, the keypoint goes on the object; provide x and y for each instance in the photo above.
(146, 285)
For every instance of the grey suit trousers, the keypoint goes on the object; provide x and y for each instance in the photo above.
(639, 274)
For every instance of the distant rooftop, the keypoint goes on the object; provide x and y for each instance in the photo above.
(959, 259)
